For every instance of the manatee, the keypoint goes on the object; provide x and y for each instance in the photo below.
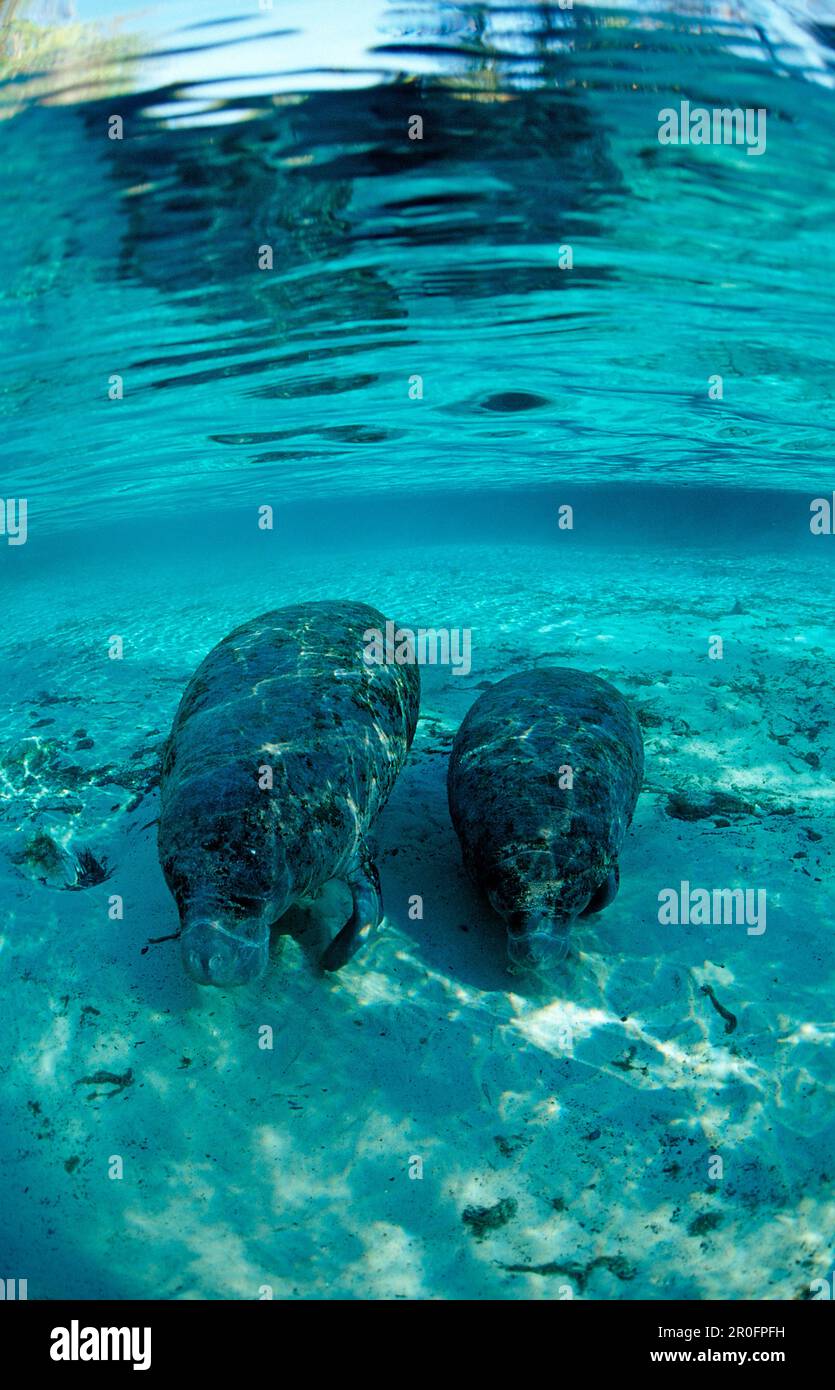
(289, 697)
(543, 779)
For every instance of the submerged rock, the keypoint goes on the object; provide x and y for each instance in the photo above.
(702, 805)
(43, 860)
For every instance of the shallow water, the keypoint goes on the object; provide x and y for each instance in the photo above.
(585, 1112)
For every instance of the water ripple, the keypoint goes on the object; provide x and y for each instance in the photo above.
(537, 241)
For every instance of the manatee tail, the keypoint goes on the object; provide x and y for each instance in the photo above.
(364, 883)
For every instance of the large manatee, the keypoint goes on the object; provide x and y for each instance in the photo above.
(285, 746)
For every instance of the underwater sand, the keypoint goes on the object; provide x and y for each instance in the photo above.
(582, 1115)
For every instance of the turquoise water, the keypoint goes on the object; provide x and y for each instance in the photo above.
(416, 387)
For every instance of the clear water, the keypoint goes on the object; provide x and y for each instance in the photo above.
(589, 1113)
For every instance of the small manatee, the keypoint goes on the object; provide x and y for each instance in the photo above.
(543, 780)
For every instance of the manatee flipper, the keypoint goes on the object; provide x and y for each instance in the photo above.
(364, 883)
(606, 893)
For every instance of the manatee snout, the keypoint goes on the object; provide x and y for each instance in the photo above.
(538, 947)
(537, 941)
(213, 955)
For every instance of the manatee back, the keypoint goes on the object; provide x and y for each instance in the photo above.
(292, 687)
(550, 760)
(290, 690)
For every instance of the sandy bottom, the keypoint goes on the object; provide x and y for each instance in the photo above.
(424, 1125)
